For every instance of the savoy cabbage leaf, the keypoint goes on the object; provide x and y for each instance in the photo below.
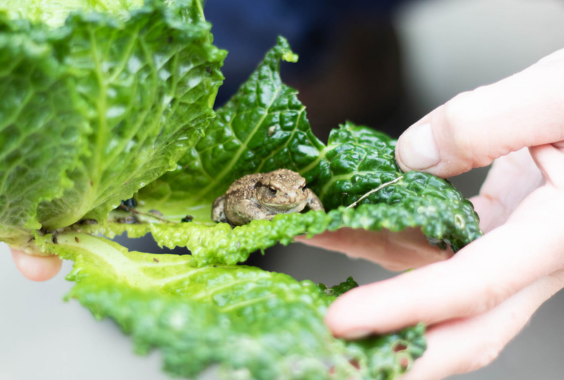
(96, 109)
(252, 323)
(54, 13)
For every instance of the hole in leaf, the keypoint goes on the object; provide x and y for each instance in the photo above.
(400, 347)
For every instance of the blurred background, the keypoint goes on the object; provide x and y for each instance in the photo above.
(381, 63)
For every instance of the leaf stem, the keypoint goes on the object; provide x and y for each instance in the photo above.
(137, 212)
(201, 9)
(375, 190)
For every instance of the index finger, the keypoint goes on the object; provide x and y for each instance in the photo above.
(479, 126)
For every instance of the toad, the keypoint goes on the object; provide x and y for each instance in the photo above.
(263, 196)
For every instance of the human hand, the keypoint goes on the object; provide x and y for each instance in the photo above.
(36, 268)
(477, 301)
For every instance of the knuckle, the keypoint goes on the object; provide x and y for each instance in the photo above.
(485, 298)
(556, 281)
(493, 296)
(485, 355)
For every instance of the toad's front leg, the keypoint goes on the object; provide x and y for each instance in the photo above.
(218, 210)
(313, 201)
(241, 212)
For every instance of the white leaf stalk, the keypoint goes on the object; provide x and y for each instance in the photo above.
(374, 191)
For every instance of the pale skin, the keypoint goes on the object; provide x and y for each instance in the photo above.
(478, 300)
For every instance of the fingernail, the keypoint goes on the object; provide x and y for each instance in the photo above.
(356, 334)
(417, 148)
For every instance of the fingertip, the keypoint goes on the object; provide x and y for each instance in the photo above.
(477, 127)
(348, 317)
(417, 150)
(334, 319)
(399, 160)
(36, 268)
(337, 324)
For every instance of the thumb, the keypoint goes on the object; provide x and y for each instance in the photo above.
(476, 127)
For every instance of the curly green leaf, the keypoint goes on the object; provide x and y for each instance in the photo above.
(96, 109)
(253, 324)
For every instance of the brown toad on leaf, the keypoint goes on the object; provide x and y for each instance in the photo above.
(263, 196)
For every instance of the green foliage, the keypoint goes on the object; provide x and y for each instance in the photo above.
(254, 324)
(339, 289)
(96, 109)
(263, 128)
(219, 244)
(121, 93)
(54, 13)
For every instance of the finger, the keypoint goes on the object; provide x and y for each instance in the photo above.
(37, 268)
(550, 160)
(476, 279)
(396, 251)
(469, 344)
(477, 127)
(510, 180)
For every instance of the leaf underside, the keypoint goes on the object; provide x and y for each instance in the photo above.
(94, 110)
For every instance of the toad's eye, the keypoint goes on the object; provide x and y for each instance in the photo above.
(304, 188)
(273, 191)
